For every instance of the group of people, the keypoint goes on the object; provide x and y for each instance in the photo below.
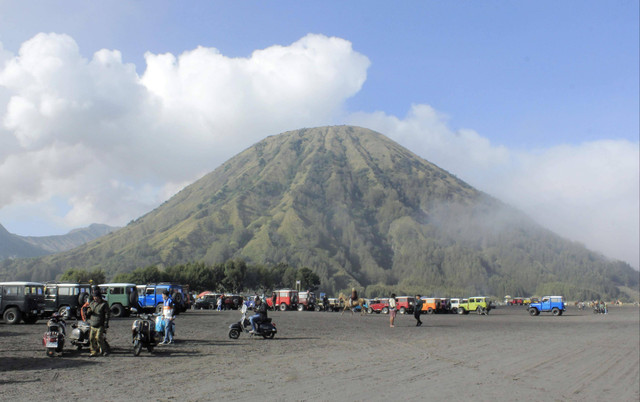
(98, 313)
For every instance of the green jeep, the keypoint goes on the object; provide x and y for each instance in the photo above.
(122, 297)
(479, 304)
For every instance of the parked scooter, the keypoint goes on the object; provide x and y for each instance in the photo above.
(79, 335)
(144, 333)
(53, 339)
(266, 329)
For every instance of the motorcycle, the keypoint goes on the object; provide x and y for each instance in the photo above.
(266, 329)
(79, 336)
(145, 332)
(53, 339)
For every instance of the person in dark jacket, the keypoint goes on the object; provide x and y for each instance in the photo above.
(98, 314)
(417, 310)
(261, 314)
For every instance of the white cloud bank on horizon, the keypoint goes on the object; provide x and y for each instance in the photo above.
(84, 141)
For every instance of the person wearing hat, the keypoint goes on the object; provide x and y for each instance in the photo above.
(168, 317)
(98, 314)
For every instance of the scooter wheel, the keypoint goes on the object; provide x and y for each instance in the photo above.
(137, 347)
(234, 334)
(270, 335)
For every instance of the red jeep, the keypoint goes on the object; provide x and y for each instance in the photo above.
(306, 301)
(378, 306)
(287, 299)
(405, 304)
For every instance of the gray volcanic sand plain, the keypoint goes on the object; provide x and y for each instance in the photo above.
(505, 356)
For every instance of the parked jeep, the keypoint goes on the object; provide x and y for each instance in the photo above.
(207, 302)
(286, 299)
(306, 301)
(479, 304)
(454, 303)
(549, 304)
(150, 297)
(21, 301)
(122, 297)
(65, 298)
(378, 306)
(405, 304)
(430, 305)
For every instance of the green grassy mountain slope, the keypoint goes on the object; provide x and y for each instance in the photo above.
(356, 208)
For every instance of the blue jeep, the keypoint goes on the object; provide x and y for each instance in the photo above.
(150, 297)
(549, 304)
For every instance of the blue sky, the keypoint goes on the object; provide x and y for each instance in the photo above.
(534, 102)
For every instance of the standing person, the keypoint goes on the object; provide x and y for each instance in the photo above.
(274, 298)
(325, 302)
(392, 310)
(418, 310)
(98, 314)
(168, 317)
(219, 303)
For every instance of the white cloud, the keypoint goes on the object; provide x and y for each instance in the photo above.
(85, 141)
(588, 193)
(114, 145)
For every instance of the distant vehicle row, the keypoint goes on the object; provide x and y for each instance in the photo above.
(28, 301)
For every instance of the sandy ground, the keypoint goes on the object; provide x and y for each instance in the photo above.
(506, 355)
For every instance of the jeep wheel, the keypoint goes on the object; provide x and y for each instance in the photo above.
(12, 316)
(479, 310)
(234, 333)
(283, 307)
(385, 310)
(403, 310)
(83, 298)
(555, 311)
(117, 310)
(318, 308)
(64, 312)
(300, 307)
(454, 310)
(460, 310)
(533, 312)
(137, 346)
(369, 310)
(429, 310)
(159, 308)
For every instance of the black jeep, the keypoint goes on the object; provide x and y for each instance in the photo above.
(21, 301)
(60, 296)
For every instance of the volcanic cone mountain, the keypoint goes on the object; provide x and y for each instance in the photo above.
(358, 209)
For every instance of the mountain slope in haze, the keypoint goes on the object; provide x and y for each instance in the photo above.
(359, 210)
(15, 246)
(73, 239)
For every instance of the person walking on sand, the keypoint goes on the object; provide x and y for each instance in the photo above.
(418, 310)
(392, 310)
(219, 303)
